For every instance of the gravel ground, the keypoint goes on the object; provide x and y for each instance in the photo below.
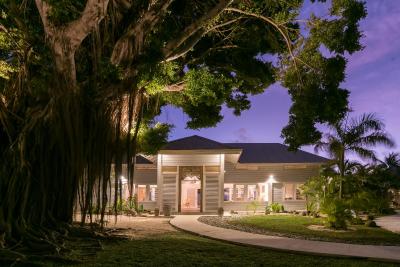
(135, 227)
(139, 227)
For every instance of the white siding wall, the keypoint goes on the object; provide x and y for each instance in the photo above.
(190, 160)
(145, 176)
(280, 173)
(277, 192)
(170, 193)
(211, 193)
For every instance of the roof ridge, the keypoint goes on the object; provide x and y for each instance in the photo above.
(191, 141)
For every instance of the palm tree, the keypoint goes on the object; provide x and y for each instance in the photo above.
(356, 135)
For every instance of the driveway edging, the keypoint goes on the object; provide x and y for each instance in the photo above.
(190, 224)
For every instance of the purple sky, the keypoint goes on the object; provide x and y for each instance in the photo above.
(373, 77)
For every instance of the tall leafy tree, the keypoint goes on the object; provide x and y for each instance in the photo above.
(356, 135)
(80, 78)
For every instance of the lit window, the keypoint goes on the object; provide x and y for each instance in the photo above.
(251, 192)
(293, 192)
(299, 192)
(239, 192)
(289, 191)
(228, 192)
(263, 192)
(153, 191)
(141, 193)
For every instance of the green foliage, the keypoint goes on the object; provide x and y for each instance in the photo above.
(370, 223)
(337, 211)
(64, 11)
(276, 207)
(141, 208)
(203, 96)
(356, 221)
(76, 129)
(160, 76)
(338, 34)
(151, 138)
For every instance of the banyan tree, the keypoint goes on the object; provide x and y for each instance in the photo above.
(82, 82)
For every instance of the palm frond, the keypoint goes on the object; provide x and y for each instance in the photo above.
(376, 138)
(365, 123)
(392, 160)
(363, 153)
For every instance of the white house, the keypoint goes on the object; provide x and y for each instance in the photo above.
(196, 174)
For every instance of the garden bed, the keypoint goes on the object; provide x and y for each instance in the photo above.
(298, 227)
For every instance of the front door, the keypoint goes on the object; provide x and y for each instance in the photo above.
(190, 189)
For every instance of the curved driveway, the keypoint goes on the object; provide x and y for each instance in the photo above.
(391, 223)
(190, 224)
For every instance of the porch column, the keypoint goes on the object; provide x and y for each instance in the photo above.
(270, 192)
(159, 182)
(221, 180)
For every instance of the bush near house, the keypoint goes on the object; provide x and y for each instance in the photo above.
(276, 207)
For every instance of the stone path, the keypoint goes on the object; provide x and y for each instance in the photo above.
(190, 224)
(391, 223)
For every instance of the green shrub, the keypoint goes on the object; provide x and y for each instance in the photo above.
(337, 212)
(276, 207)
(141, 208)
(370, 223)
(311, 205)
(357, 221)
(267, 210)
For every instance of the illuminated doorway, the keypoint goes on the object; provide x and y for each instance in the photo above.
(190, 187)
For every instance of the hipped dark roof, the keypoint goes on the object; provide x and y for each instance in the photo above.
(142, 160)
(251, 152)
(274, 153)
(195, 142)
(139, 159)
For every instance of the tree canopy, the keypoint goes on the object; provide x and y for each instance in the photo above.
(197, 56)
(81, 82)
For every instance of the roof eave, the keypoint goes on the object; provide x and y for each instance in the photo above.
(200, 151)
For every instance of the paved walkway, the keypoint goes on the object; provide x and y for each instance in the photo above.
(391, 223)
(190, 223)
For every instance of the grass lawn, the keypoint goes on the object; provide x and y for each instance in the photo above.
(181, 249)
(296, 226)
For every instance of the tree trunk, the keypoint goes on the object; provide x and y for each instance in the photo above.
(342, 173)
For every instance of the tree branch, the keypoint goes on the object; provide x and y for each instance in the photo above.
(194, 39)
(64, 40)
(176, 87)
(94, 12)
(274, 24)
(125, 49)
(44, 9)
(76, 31)
(193, 28)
